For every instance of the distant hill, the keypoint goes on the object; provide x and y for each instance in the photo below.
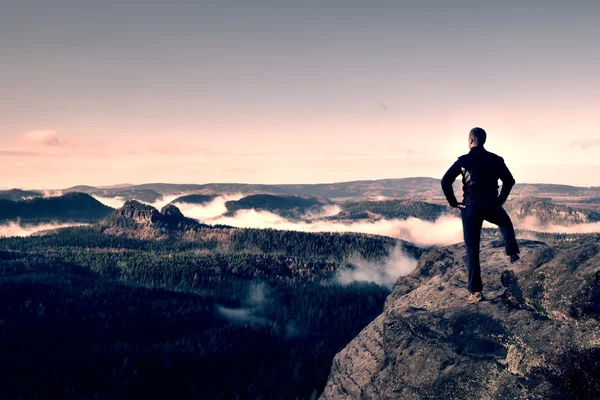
(70, 207)
(18, 194)
(419, 186)
(547, 212)
(117, 186)
(401, 209)
(543, 209)
(285, 205)
(415, 188)
(128, 193)
(195, 199)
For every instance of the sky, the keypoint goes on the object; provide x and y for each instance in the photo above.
(118, 91)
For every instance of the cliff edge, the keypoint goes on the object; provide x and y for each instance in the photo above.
(536, 337)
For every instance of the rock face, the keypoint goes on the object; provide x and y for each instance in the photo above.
(148, 220)
(139, 212)
(536, 337)
(172, 212)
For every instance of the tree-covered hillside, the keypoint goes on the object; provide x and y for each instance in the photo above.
(292, 207)
(195, 199)
(71, 207)
(400, 209)
(214, 313)
(18, 194)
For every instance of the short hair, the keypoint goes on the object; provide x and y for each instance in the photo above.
(478, 136)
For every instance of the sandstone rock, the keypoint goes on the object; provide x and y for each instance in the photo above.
(172, 212)
(536, 337)
(139, 212)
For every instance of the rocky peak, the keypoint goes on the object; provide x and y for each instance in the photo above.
(172, 212)
(536, 337)
(148, 221)
(139, 212)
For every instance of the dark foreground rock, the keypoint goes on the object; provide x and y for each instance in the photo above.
(536, 337)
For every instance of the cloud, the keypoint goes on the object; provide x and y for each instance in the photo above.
(532, 223)
(240, 315)
(384, 272)
(445, 230)
(585, 143)
(208, 211)
(16, 229)
(114, 202)
(48, 137)
(328, 210)
(254, 303)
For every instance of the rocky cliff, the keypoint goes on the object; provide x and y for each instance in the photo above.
(142, 221)
(536, 337)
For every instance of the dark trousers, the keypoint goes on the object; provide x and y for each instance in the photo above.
(472, 219)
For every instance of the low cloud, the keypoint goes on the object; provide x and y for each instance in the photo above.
(16, 229)
(384, 272)
(114, 202)
(240, 315)
(532, 223)
(210, 210)
(445, 230)
(328, 210)
(52, 193)
(252, 305)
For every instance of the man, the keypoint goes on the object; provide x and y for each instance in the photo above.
(480, 171)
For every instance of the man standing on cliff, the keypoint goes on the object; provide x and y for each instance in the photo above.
(480, 171)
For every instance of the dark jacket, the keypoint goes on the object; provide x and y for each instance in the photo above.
(480, 171)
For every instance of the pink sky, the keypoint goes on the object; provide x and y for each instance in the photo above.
(371, 146)
(101, 93)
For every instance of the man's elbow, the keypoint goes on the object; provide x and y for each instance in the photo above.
(446, 186)
(508, 184)
(447, 181)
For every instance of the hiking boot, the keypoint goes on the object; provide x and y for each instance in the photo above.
(514, 258)
(475, 298)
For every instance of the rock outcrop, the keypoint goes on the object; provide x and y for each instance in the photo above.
(537, 336)
(142, 221)
(138, 212)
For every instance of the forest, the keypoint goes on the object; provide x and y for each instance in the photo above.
(89, 315)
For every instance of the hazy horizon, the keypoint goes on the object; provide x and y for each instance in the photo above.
(283, 92)
(116, 185)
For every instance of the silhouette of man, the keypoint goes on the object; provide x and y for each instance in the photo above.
(480, 171)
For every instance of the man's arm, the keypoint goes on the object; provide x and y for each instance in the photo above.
(447, 181)
(507, 181)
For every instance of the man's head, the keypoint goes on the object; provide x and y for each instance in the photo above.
(477, 137)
